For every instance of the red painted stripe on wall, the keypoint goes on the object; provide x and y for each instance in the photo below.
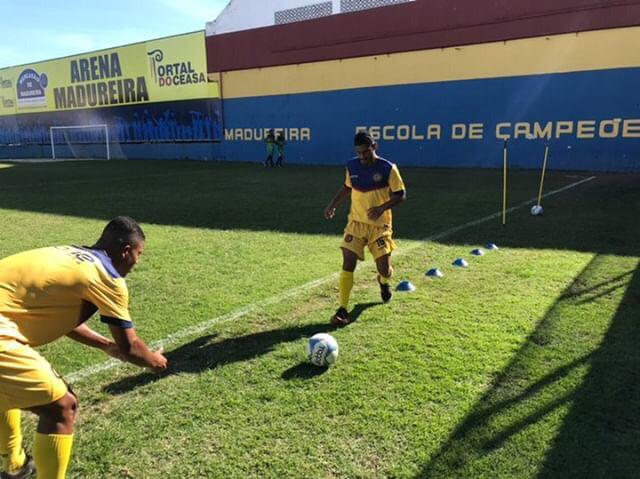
(420, 25)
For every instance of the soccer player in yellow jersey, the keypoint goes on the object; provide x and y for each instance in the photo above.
(375, 186)
(45, 294)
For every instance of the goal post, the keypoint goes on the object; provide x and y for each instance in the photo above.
(89, 131)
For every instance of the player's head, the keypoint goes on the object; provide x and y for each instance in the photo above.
(365, 147)
(123, 240)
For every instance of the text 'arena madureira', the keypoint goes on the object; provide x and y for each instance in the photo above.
(109, 87)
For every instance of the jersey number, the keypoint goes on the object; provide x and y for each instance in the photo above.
(82, 257)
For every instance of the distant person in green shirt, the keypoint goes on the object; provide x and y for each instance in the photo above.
(270, 140)
(280, 142)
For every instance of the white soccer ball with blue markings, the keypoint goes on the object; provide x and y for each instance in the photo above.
(322, 349)
(537, 210)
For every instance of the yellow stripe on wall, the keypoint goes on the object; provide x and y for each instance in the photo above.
(571, 52)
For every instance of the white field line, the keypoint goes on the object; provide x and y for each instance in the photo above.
(48, 160)
(205, 325)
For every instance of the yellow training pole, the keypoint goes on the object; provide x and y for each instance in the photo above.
(544, 168)
(504, 184)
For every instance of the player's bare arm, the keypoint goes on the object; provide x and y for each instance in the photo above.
(135, 351)
(341, 195)
(85, 335)
(396, 198)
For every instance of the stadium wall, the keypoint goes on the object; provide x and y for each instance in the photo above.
(439, 83)
(452, 103)
(418, 25)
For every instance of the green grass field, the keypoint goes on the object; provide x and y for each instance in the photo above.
(526, 364)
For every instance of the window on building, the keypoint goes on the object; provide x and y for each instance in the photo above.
(300, 14)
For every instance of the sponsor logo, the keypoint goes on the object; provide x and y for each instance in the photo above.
(348, 238)
(30, 89)
(6, 102)
(167, 73)
(381, 243)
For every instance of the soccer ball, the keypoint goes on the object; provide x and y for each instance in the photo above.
(536, 210)
(322, 349)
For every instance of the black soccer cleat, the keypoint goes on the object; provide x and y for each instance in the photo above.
(28, 469)
(341, 317)
(385, 291)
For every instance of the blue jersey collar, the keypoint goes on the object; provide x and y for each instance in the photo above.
(103, 257)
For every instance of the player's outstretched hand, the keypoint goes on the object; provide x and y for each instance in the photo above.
(159, 362)
(329, 212)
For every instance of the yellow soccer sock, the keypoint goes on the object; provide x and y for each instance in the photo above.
(345, 285)
(51, 453)
(11, 440)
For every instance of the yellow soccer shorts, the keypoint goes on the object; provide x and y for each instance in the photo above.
(26, 378)
(378, 238)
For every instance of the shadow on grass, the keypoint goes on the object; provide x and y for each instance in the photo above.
(591, 390)
(360, 308)
(600, 436)
(303, 371)
(206, 353)
(241, 196)
(598, 216)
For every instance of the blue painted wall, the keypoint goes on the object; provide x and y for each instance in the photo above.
(332, 117)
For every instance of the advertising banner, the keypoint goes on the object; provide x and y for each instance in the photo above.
(151, 91)
(168, 69)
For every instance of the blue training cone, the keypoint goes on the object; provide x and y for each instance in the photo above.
(460, 262)
(491, 246)
(477, 252)
(434, 273)
(405, 286)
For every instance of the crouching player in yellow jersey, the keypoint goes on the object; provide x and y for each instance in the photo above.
(375, 186)
(45, 294)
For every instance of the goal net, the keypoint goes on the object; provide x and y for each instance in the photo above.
(80, 142)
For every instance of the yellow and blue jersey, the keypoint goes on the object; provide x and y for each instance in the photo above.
(372, 185)
(47, 292)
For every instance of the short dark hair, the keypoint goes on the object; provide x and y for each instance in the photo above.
(120, 231)
(363, 138)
